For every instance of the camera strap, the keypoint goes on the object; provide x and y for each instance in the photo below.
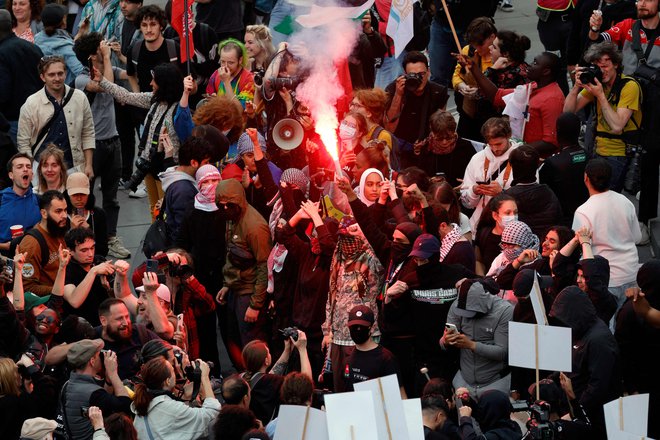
(156, 132)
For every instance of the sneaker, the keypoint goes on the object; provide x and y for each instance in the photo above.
(139, 193)
(506, 6)
(646, 238)
(116, 248)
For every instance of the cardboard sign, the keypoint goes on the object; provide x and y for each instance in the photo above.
(628, 415)
(540, 346)
(390, 417)
(412, 408)
(296, 422)
(351, 416)
(537, 302)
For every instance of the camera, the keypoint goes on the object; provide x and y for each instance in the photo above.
(289, 332)
(182, 271)
(193, 373)
(413, 80)
(590, 73)
(290, 83)
(539, 425)
(259, 77)
(142, 168)
(84, 411)
(102, 354)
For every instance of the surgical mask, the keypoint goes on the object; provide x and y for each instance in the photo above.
(506, 219)
(346, 131)
(359, 333)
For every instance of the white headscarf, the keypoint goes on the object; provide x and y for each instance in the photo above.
(363, 180)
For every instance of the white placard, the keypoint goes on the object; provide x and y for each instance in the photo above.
(296, 422)
(413, 411)
(554, 346)
(537, 302)
(623, 435)
(633, 411)
(388, 406)
(322, 15)
(351, 416)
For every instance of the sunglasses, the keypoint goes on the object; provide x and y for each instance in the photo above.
(43, 317)
(47, 58)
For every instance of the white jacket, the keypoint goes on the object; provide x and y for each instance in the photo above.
(171, 419)
(474, 173)
(38, 110)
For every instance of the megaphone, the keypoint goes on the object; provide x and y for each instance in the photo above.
(288, 134)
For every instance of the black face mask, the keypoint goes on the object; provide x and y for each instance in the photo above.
(359, 333)
(400, 251)
(230, 212)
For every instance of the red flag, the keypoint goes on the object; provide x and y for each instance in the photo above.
(182, 22)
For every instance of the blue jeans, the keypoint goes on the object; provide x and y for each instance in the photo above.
(389, 71)
(619, 293)
(619, 166)
(441, 46)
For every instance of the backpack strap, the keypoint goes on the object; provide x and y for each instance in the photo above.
(36, 233)
(135, 51)
(377, 131)
(36, 147)
(642, 56)
(171, 50)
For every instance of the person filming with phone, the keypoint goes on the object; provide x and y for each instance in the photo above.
(478, 325)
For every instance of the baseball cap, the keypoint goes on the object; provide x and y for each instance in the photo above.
(82, 351)
(467, 288)
(77, 183)
(524, 280)
(32, 300)
(425, 246)
(163, 292)
(360, 315)
(53, 14)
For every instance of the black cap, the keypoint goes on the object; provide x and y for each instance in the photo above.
(360, 315)
(53, 14)
(524, 280)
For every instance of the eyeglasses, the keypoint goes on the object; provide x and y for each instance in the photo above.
(355, 104)
(43, 317)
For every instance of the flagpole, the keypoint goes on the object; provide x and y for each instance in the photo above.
(186, 33)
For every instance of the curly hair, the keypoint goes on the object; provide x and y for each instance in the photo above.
(374, 101)
(513, 45)
(151, 12)
(169, 79)
(86, 46)
(296, 389)
(36, 6)
(223, 113)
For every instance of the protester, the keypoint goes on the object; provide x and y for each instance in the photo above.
(493, 414)
(83, 214)
(51, 171)
(258, 46)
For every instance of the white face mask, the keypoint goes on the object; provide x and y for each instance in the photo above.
(506, 219)
(346, 131)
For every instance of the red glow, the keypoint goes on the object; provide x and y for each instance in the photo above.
(326, 128)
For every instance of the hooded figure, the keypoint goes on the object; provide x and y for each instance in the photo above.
(248, 246)
(493, 413)
(595, 373)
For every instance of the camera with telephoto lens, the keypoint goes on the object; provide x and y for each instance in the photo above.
(539, 425)
(289, 83)
(182, 271)
(289, 332)
(590, 73)
(413, 80)
(194, 373)
(142, 167)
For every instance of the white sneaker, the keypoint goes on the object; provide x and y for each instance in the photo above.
(116, 248)
(139, 193)
(506, 6)
(646, 237)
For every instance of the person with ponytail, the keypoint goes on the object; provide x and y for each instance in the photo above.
(265, 386)
(232, 79)
(159, 414)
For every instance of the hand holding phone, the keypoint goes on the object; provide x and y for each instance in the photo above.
(451, 328)
(152, 265)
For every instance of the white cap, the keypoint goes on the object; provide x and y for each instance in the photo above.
(163, 292)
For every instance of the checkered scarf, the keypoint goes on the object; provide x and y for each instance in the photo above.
(518, 233)
(450, 239)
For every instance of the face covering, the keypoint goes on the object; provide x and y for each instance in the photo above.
(231, 212)
(399, 251)
(359, 333)
(346, 131)
(205, 198)
(506, 219)
(512, 254)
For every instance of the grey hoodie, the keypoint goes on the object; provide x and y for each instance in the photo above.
(489, 329)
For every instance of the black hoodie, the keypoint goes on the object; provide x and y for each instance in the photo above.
(596, 373)
(494, 416)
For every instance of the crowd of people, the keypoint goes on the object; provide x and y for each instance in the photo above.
(407, 252)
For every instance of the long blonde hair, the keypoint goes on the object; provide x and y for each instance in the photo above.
(54, 151)
(8, 372)
(264, 40)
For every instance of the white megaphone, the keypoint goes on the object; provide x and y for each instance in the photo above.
(288, 134)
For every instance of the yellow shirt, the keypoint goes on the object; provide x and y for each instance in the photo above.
(630, 98)
(466, 76)
(384, 135)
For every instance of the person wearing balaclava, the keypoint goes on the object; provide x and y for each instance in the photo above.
(356, 277)
(368, 360)
(516, 237)
(638, 336)
(430, 289)
(493, 413)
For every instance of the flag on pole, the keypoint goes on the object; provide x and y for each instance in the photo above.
(183, 23)
(400, 25)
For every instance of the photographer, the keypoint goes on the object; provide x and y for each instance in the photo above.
(492, 412)
(413, 99)
(161, 415)
(88, 360)
(188, 295)
(618, 100)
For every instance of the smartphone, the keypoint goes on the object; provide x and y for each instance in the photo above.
(80, 212)
(482, 182)
(90, 66)
(152, 265)
(451, 328)
(84, 411)
(179, 322)
(10, 266)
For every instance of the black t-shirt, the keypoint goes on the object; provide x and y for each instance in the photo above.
(489, 246)
(452, 164)
(366, 365)
(89, 309)
(128, 351)
(265, 396)
(224, 16)
(147, 60)
(127, 31)
(412, 110)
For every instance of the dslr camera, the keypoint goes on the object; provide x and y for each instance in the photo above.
(290, 83)
(289, 332)
(539, 425)
(413, 80)
(590, 73)
(259, 76)
(182, 271)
